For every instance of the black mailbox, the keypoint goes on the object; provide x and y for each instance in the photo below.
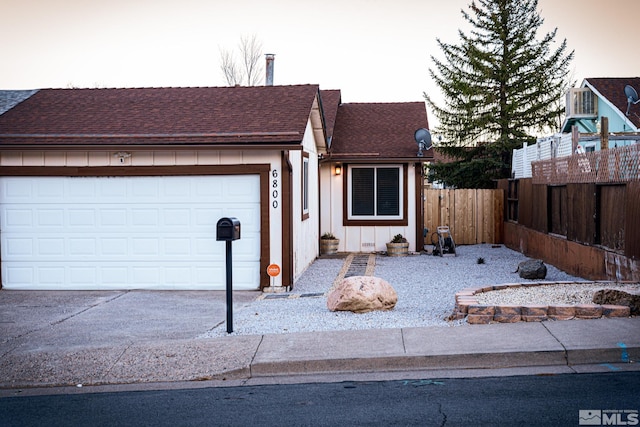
(228, 229)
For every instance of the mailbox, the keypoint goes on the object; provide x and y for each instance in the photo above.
(228, 229)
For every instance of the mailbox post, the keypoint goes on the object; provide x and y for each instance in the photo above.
(228, 230)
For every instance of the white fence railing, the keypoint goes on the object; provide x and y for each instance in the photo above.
(550, 147)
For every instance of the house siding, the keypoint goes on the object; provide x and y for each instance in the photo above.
(362, 238)
(305, 231)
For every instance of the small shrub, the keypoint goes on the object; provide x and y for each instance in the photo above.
(398, 238)
(328, 236)
(480, 260)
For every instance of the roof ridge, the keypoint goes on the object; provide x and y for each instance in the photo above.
(176, 87)
(383, 103)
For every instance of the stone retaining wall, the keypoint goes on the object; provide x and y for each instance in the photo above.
(467, 305)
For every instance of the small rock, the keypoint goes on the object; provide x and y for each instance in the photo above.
(629, 298)
(532, 269)
(361, 294)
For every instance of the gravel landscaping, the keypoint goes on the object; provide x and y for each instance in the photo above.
(547, 295)
(426, 287)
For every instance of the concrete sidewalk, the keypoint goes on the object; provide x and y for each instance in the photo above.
(64, 338)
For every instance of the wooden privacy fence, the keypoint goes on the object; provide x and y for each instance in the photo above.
(473, 216)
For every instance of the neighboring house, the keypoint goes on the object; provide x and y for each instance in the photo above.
(372, 177)
(585, 107)
(602, 97)
(122, 188)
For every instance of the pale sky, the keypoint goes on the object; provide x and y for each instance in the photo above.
(373, 50)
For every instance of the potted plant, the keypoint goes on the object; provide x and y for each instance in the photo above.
(398, 246)
(328, 244)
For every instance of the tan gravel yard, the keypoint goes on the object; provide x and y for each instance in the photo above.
(551, 294)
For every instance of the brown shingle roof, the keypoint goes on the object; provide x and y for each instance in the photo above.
(214, 115)
(331, 100)
(378, 131)
(613, 90)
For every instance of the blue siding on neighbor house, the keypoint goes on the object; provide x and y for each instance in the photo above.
(616, 124)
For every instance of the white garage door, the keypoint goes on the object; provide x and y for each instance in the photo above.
(91, 233)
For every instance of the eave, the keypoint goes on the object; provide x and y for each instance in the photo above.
(374, 158)
(189, 141)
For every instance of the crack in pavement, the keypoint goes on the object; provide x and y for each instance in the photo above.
(57, 322)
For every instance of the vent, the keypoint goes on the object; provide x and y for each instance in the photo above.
(581, 103)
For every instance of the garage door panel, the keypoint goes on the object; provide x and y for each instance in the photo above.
(81, 219)
(115, 276)
(244, 249)
(119, 233)
(49, 217)
(81, 275)
(52, 276)
(113, 217)
(80, 188)
(16, 190)
(18, 275)
(176, 217)
(17, 247)
(243, 274)
(18, 217)
(48, 247)
(83, 247)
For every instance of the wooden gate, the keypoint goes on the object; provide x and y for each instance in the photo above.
(473, 216)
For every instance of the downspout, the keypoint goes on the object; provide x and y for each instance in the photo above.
(421, 231)
(319, 200)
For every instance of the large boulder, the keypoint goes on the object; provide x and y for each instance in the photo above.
(532, 269)
(626, 297)
(361, 294)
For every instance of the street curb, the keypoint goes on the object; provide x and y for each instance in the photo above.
(411, 362)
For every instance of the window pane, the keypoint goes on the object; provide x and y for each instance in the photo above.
(387, 191)
(362, 191)
(305, 185)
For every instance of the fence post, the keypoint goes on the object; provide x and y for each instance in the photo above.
(524, 159)
(604, 133)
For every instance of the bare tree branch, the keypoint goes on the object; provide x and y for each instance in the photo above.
(230, 71)
(251, 52)
(250, 71)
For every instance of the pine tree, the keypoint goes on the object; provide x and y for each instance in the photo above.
(501, 85)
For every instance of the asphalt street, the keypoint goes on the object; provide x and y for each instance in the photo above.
(550, 400)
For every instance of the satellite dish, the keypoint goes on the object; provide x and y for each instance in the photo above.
(423, 139)
(632, 96)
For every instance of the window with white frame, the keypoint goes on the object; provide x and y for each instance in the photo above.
(375, 192)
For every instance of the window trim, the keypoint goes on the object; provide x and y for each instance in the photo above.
(304, 180)
(374, 221)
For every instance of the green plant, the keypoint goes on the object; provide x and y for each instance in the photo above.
(398, 238)
(328, 236)
(480, 260)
